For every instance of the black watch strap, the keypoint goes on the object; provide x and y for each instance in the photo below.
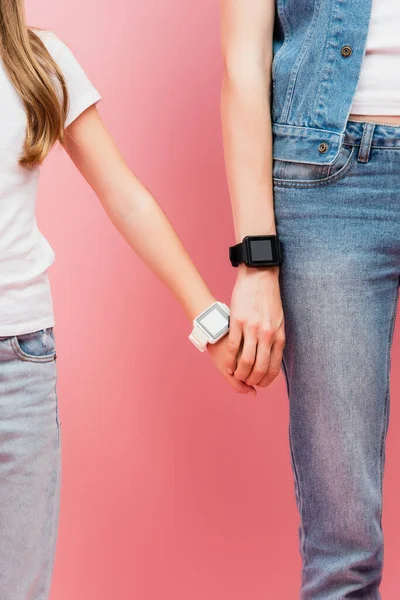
(238, 254)
(272, 256)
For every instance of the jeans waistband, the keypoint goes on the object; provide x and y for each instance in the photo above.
(381, 136)
(25, 335)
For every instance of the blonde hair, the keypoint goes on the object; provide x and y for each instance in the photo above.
(36, 77)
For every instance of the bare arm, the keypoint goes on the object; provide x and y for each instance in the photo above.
(257, 318)
(140, 220)
(134, 212)
(247, 27)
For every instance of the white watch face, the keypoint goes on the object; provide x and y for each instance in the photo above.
(215, 321)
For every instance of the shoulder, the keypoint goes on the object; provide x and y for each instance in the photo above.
(81, 91)
(60, 53)
(54, 45)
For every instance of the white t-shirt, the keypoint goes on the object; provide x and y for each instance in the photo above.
(378, 91)
(25, 255)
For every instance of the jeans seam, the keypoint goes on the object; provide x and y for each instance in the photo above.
(389, 343)
(57, 407)
(377, 146)
(386, 403)
(296, 475)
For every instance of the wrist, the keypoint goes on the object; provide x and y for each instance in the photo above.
(260, 252)
(245, 272)
(199, 304)
(269, 229)
(211, 325)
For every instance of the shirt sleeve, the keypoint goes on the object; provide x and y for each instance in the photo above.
(81, 91)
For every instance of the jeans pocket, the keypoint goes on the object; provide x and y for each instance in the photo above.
(301, 174)
(38, 346)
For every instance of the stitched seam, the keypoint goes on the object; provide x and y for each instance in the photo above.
(287, 35)
(330, 60)
(363, 150)
(57, 406)
(305, 129)
(356, 145)
(304, 183)
(387, 366)
(388, 147)
(365, 144)
(27, 357)
(296, 477)
(387, 392)
(296, 67)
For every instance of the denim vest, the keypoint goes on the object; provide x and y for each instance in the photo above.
(318, 50)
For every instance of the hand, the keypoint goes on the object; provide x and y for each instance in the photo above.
(218, 353)
(256, 327)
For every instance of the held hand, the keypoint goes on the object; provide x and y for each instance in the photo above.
(256, 327)
(218, 353)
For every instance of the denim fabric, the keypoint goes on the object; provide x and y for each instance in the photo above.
(340, 231)
(29, 465)
(318, 49)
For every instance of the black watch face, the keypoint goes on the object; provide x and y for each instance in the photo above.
(263, 250)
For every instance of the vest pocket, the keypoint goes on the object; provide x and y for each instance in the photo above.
(301, 174)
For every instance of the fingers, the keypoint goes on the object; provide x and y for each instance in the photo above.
(248, 356)
(240, 386)
(275, 361)
(261, 363)
(233, 347)
(218, 353)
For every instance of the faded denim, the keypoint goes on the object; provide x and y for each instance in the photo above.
(29, 465)
(339, 226)
(318, 51)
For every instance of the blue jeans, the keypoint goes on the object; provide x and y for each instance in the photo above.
(29, 465)
(340, 230)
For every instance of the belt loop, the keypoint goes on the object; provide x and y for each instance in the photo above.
(366, 142)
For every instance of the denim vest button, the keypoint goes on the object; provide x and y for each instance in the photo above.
(323, 147)
(346, 51)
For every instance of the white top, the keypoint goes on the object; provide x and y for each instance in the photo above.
(25, 255)
(378, 91)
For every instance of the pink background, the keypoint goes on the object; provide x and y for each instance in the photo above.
(173, 487)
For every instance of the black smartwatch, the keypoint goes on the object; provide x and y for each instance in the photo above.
(257, 251)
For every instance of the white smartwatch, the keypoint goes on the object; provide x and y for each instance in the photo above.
(210, 326)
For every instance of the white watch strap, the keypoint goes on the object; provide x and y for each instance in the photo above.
(199, 339)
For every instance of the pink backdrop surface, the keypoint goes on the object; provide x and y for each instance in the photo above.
(174, 487)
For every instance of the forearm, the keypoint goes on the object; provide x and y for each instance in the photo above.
(247, 133)
(134, 211)
(143, 224)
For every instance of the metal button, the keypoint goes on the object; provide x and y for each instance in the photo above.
(346, 51)
(323, 147)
